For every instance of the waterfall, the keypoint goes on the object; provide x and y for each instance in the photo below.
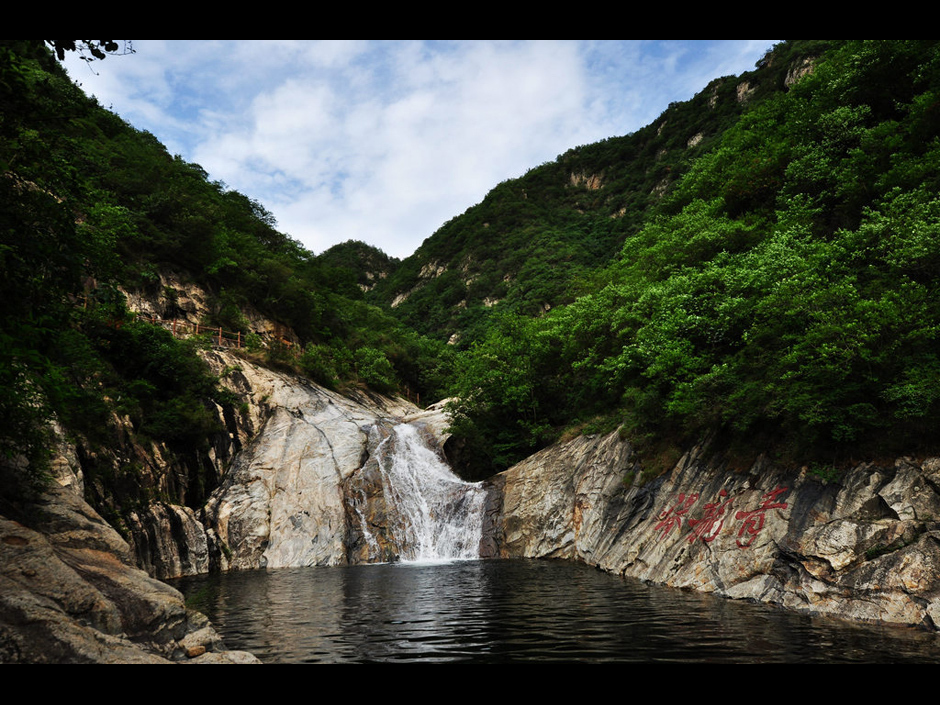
(439, 516)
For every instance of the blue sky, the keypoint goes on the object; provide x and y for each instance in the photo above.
(384, 141)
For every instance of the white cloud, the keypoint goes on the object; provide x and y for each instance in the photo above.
(384, 141)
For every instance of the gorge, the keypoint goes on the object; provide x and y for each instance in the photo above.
(862, 545)
(702, 355)
(316, 486)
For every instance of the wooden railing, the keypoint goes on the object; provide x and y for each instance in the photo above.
(184, 329)
(219, 337)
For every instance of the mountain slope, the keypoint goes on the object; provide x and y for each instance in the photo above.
(534, 242)
(91, 208)
(784, 294)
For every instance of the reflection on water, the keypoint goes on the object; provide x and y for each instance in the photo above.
(518, 611)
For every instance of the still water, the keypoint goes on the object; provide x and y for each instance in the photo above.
(518, 611)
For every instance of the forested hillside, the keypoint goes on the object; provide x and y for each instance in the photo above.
(91, 206)
(537, 241)
(782, 295)
(758, 266)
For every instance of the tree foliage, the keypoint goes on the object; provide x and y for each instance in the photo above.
(88, 205)
(89, 49)
(760, 262)
(784, 289)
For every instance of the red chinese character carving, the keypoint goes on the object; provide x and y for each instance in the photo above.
(710, 525)
(754, 520)
(672, 517)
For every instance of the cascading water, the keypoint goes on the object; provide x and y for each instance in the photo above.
(439, 516)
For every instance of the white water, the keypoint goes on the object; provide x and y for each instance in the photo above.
(440, 515)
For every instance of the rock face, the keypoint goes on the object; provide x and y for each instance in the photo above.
(297, 480)
(170, 541)
(306, 488)
(863, 546)
(70, 588)
(282, 502)
(70, 593)
(284, 473)
(177, 298)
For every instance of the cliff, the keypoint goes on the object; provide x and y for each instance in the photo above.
(862, 546)
(286, 497)
(282, 502)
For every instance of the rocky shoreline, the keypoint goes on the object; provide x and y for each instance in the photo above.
(864, 546)
(70, 592)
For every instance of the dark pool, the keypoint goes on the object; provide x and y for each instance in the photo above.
(519, 611)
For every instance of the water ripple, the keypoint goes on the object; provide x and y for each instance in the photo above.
(519, 611)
